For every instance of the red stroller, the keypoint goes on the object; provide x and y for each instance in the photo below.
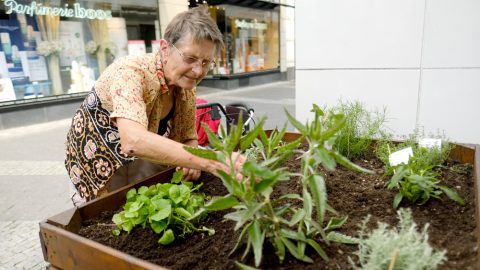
(211, 114)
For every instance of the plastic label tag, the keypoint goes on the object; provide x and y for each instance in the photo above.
(430, 143)
(400, 156)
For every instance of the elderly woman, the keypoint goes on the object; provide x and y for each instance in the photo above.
(141, 113)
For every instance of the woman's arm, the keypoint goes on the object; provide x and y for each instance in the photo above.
(137, 141)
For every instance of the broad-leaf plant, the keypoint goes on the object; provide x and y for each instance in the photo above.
(418, 185)
(167, 208)
(417, 180)
(293, 222)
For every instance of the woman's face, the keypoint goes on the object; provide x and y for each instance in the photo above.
(187, 62)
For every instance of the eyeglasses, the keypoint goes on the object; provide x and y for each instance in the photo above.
(191, 60)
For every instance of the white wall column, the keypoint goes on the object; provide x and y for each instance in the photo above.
(419, 59)
(287, 35)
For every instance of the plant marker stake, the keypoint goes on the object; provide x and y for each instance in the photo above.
(394, 258)
(389, 153)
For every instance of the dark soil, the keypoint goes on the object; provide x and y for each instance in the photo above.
(356, 195)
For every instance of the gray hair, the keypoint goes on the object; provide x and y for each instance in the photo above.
(195, 23)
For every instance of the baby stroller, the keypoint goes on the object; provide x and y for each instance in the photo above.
(214, 114)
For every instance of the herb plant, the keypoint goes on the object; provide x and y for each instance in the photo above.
(167, 208)
(425, 157)
(361, 126)
(288, 227)
(416, 181)
(418, 185)
(398, 248)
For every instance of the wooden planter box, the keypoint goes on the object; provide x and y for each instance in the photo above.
(63, 248)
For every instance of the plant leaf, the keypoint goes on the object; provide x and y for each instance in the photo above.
(257, 236)
(177, 177)
(213, 139)
(131, 194)
(299, 126)
(299, 215)
(247, 141)
(174, 194)
(183, 212)
(317, 248)
(240, 239)
(339, 124)
(165, 209)
(203, 153)
(335, 223)
(158, 226)
(279, 248)
(397, 177)
(167, 237)
(341, 238)
(326, 160)
(242, 266)
(142, 190)
(452, 195)
(293, 250)
(348, 164)
(293, 235)
(396, 201)
(248, 215)
(319, 194)
(221, 203)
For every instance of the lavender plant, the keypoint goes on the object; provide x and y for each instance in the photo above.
(398, 248)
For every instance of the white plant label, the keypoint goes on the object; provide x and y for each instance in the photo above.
(430, 143)
(400, 156)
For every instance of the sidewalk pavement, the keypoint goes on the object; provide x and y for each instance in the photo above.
(34, 182)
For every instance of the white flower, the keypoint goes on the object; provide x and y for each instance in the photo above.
(91, 47)
(47, 48)
(43, 48)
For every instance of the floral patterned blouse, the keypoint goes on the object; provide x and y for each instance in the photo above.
(131, 88)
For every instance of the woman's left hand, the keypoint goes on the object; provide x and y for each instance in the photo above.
(190, 174)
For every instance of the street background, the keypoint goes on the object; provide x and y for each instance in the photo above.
(34, 182)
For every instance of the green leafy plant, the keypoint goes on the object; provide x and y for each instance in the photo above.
(416, 181)
(398, 248)
(167, 208)
(361, 127)
(425, 157)
(288, 227)
(418, 185)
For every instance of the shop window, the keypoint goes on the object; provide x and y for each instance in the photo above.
(251, 39)
(61, 47)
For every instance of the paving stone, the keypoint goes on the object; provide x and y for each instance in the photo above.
(21, 246)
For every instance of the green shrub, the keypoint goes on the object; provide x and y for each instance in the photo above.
(404, 247)
(418, 185)
(417, 180)
(361, 127)
(424, 157)
(290, 228)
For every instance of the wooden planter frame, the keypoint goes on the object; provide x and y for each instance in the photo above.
(63, 248)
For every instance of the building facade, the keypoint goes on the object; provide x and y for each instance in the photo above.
(52, 51)
(418, 59)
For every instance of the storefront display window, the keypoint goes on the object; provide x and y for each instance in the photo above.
(251, 39)
(60, 47)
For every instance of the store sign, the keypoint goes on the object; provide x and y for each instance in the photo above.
(250, 25)
(38, 9)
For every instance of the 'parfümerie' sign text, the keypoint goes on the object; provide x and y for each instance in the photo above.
(38, 9)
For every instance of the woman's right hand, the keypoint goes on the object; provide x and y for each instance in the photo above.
(238, 159)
